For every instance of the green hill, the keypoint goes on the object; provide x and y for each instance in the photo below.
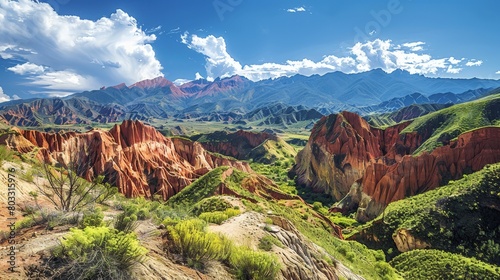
(403, 114)
(271, 151)
(435, 264)
(444, 125)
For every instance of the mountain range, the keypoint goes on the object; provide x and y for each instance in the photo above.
(239, 99)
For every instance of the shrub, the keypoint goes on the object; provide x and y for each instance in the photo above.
(379, 255)
(266, 243)
(384, 270)
(253, 265)
(218, 217)
(25, 223)
(143, 214)
(317, 205)
(98, 253)
(126, 223)
(68, 192)
(342, 250)
(6, 154)
(210, 204)
(195, 245)
(214, 217)
(92, 218)
(28, 176)
(350, 256)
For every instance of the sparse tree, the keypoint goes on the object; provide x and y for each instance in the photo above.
(68, 191)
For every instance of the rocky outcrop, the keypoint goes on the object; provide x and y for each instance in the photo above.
(136, 158)
(237, 145)
(342, 146)
(302, 259)
(367, 168)
(412, 175)
(405, 241)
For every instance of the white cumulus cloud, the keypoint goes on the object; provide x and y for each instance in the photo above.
(219, 62)
(453, 70)
(198, 76)
(27, 68)
(64, 54)
(180, 82)
(362, 57)
(474, 62)
(4, 97)
(296, 10)
(455, 61)
(497, 72)
(414, 46)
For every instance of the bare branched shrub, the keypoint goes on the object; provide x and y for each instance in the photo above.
(69, 192)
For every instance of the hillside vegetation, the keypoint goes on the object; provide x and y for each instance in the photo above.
(369, 263)
(462, 217)
(444, 125)
(403, 114)
(435, 264)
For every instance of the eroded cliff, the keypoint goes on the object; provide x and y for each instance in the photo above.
(366, 168)
(135, 157)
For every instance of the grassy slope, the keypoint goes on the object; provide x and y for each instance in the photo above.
(199, 189)
(369, 263)
(434, 264)
(450, 122)
(389, 119)
(270, 151)
(461, 217)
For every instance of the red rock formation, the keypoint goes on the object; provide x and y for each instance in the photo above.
(136, 158)
(413, 175)
(342, 146)
(368, 168)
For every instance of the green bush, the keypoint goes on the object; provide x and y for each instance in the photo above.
(26, 222)
(28, 176)
(435, 264)
(210, 204)
(218, 217)
(143, 214)
(317, 205)
(92, 218)
(350, 256)
(98, 253)
(195, 245)
(384, 270)
(266, 243)
(125, 222)
(6, 154)
(254, 265)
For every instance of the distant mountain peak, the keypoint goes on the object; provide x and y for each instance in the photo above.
(401, 72)
(157, 82)
(120, 86)
(203, 87)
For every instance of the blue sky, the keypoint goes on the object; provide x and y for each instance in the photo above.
(57, 47)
